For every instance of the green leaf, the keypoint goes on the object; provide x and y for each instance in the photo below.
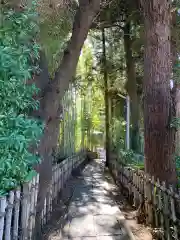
(18, 54)
(30, 176)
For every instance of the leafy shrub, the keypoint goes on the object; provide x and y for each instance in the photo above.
(18, 56)
(126, 156)
(130, 158)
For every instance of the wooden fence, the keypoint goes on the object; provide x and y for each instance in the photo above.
(160, 204)
(18, 209)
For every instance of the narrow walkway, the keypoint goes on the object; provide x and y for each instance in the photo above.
(91, 213)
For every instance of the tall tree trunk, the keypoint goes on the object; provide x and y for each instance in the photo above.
(106, 99)
(175, 61)
(52, 94)
(178, 116)
(158, 103)
(131, 86)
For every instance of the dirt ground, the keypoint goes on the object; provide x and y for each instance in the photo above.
(140, 231)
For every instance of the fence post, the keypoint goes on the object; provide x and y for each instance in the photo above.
(53, 181)
(130, 184)
(50, 199)
(122, 173)
(127, 181)
(44, 212)
(59, 178)
(155, 202)
(166, 212)
(3, 205)
(138, 186)
(25, 212)
(148, 194)
(32, 208)
(160, 207)
(142, 185)
(173, 214)
(9, 216)
(135, 188)
(16, 214)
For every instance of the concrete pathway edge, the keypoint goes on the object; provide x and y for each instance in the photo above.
(121, 218)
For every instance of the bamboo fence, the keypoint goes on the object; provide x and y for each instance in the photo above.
(161, 203)
(18, 208)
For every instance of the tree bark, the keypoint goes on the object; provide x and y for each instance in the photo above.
(131, 86)
(178, 116)
(52, 94)
(106, 99)
(158, 102)
(176, 87)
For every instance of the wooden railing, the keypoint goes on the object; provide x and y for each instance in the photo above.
(158, 202)
(18, 208)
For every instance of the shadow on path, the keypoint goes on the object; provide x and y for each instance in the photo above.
(86, 208)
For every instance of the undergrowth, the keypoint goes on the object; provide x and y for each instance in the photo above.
(19, 54)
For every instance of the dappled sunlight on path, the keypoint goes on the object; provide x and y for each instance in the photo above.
(90, 212)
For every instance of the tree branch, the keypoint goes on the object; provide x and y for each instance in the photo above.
(82, 22)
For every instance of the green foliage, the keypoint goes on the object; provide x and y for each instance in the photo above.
(177, 159)
(116, 66)
(18, 62)
(118, 131)
(175, 123)
(90, 121)
(176, 71)
(54, 35)
(126, 156)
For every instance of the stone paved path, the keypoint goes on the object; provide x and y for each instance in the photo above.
(91, 213)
